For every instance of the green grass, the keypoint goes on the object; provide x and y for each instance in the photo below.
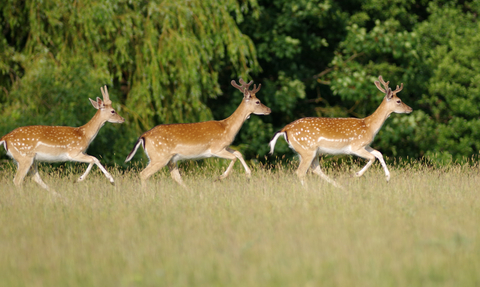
(421, 229)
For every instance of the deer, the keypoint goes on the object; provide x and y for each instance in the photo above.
(32, 144)
(312, 136)
(166, 144)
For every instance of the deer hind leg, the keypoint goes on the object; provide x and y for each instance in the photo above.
(152, 167)
(306, 159)
(175, 173)
(23, 165)
(232, 155)
(37, 178)
(91, 160)
(317, 170)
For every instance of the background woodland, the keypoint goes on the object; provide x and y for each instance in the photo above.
(172, 62)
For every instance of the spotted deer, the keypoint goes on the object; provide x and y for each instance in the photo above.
(169, 143)
(31, 144)
(312, 136)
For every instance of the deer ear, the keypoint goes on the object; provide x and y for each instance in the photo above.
(389, 94)
(100, 103)
(94, 104)
(247, 95)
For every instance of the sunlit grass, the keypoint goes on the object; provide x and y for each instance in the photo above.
(420, 229)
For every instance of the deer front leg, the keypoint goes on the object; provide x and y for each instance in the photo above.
(365, 153)
(84, 175)
(91, 160)
(378, 155)
(238, 155)
(232, 155)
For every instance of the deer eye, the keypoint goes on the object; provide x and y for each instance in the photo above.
(258, 102)
(398, 102)
(113, 111)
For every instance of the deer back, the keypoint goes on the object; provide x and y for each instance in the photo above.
(331, 133)
(177, 138)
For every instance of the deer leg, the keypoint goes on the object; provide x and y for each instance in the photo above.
(378, 155)
(152, 167)
(367, 155)
(91, 160)
(305, 161)
(227, 155)
(84, 175)
(238, 155)
(175, 173)
(37, 178)
(232, 155)
(23, 166)
(317, 170)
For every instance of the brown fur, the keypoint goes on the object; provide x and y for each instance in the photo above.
(312, 136)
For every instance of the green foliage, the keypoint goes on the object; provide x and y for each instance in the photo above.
(436, 60)
(169, 62)
(430, 47)
(161, 58)
(53, 93)
(452, 91)
(294, 39)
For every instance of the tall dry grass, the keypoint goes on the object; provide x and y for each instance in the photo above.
(421, 229)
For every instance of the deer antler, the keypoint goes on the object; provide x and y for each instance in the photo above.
(255, 89)
(244, 86)
(398, 89)
(385, 84)
(377, 83)
(106, 98)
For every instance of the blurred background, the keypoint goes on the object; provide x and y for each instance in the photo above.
(172, 62)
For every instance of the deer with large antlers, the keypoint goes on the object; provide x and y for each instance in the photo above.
(31, 144)
(310, 137)
(169, 143)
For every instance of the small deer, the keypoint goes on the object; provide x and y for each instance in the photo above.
(310, 137)
(170, 143)
(31, 144)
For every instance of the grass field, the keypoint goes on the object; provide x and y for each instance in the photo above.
(421, 229)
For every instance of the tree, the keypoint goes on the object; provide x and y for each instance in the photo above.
(436, 59)
(170, 61)
(450, 129)
(428, 46)
(294, 39)
(161, 59)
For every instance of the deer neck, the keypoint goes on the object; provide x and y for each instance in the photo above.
(90, 129)
(375, 121)
(234, 122)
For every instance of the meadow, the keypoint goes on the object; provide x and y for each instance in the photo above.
(420, 229)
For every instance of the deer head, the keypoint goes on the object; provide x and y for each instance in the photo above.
(253, 103)
(393, 102)
(105, 107)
